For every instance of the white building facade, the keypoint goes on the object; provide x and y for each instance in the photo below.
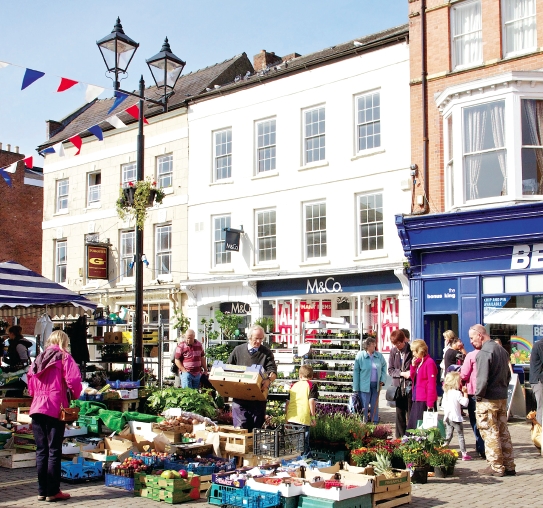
(311, 159)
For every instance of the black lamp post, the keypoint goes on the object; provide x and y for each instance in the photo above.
(117, 50)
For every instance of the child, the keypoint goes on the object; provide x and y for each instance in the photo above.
(453, 399)
(302, 403)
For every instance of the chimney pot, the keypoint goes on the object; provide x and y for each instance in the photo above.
(0, 146)
(16, 149)
(9, 148)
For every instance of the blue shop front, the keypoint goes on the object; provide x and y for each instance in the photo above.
(478, 266)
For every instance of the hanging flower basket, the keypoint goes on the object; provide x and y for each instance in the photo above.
(135, 199)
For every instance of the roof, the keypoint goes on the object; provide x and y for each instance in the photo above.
(344, 50)
(188, 85)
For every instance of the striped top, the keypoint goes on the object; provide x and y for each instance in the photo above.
(190, 356)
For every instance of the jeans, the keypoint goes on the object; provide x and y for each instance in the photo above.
(459, 427)
(189, 380)
(369, 402)
(479, 443)
(48, 435)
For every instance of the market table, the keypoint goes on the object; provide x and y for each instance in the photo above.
(122, 405)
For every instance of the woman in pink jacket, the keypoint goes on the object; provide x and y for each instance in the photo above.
(53, 372)
(424, 377)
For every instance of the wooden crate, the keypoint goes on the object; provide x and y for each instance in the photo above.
(13, 459)
(205, 483)
(236, 443)
(383, 484)
(392, 498)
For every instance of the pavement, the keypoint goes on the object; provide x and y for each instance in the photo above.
(18, 487)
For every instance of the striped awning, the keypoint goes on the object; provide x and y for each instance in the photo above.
(22, 289)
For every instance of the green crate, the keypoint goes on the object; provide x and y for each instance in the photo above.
(290, 502)
(91, 422)
(317, 502)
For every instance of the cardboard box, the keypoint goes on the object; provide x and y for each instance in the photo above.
(127, 337)
(154, 352)
(104, 454)
(12, 402)
(128, 394)
(237, 381)
(290, 488)
(144, 429)
(113, 337)
(361, 485)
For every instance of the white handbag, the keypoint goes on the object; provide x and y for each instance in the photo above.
(429, 419)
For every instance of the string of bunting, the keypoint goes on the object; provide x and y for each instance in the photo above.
(92, 93)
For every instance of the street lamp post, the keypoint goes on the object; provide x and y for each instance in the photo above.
(117, 50)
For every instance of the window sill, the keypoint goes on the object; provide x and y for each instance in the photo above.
(167, 190)
(265, 174)
(127, 281)
(167, 277)
(314, 165)
(372, 254)
(62, 212)
(222, 182)
(368, 153)
(265, 267)
(95, 283)
(315, 261)
(221, 270)
(94, 206)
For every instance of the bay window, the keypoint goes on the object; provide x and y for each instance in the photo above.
(532, 147)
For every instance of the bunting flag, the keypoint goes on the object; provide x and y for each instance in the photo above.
(31, 76)
(29, 162)
(5, 176)
(119, 98)
(11, 168)
(135, 112)
(65, 84)
(93, 92)
(116, 121)
(97, 131)
(59, 148)
(3, 64)
(48, 150)
(77, 142)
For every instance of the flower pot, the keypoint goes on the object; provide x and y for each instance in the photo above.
(128, 194)
(151, 197)
(443, 471)
(419, 474)
(397, 462)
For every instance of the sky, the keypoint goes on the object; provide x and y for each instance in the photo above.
(59, 38)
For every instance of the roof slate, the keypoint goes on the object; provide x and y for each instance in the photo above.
(187, 86)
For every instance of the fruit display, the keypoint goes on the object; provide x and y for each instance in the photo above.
(200, 465)
(177, 424)
(129, 467)
(151, 458)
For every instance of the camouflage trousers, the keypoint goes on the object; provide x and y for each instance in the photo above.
(492, 424)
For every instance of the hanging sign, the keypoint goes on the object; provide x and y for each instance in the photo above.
(97, 262)
(231, 239)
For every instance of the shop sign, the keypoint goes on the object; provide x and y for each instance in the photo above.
(231, 240)
(239, 308)
(97, 262)
(329, 285)
(441, 295)
(526, 257)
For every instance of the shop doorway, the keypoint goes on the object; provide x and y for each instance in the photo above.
(434, 326)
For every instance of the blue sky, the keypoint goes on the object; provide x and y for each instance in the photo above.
(59, 38)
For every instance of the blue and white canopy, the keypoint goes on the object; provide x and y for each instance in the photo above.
(21, 287)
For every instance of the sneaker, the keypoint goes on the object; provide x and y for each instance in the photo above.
(41, 498)
(488, 471)
(482, 455)
(510, 472)
(61, 496)
(465, 456)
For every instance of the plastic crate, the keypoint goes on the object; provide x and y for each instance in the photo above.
(155, 461)
(91, 422)
(119, 482)
(98, 397)
(317, 502)
(216, 492)
(301, 461)
(200, 469)
(285, 440)
(249, 498)
(80, 469)
(124, 385)
(289, 502)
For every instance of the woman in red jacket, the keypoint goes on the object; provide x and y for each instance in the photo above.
(424, 376)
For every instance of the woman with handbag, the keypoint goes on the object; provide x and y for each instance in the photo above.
(53, 374)
(423, 374)
(399, 364)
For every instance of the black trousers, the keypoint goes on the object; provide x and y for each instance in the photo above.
(403, 408)
(48, 435)
(248, 414)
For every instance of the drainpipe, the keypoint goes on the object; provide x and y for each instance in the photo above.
(424, 93)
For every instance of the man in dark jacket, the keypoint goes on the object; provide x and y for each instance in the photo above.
(493, 376)
(17, 355)
(536, 375)
(250, 414)
(399, 363)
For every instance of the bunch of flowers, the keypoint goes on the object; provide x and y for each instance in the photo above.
(365, 454)
(444, 457)
(419, 445)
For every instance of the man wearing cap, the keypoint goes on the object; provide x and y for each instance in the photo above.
(250, 414)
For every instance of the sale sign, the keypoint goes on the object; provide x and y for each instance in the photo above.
(389, 321)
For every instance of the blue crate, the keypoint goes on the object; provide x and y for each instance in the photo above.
(80, 470)
(124, 385)
(216, 491)
(119, 482)
(98, 397)
(196, 468)
(249, 498)
(155, 461)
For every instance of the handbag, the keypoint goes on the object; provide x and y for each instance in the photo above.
(68, 414)
(430, 419)
(393, 393)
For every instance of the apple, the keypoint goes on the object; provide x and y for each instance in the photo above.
(167, 475)
(183, 473)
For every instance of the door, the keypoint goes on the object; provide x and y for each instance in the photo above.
(434, 326)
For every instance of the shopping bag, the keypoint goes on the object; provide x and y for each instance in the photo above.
(430, 419)
(441, 428)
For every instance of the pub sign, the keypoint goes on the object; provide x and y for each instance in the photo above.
(97, 262)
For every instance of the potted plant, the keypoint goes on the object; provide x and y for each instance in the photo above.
(136, 198)
(443, 461)
(417, 447)
(114, 352)
(267, 323)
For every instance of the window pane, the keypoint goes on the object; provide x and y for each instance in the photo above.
(371, 222)
(369, 125)
(163, 249)
(315, 225)
(266, 236)
(165, 171)
(128, 173)
(520, 30)
(128, 242)
(314, 146)
(221, 255)
(223, 154)
(532, 137)
(266, 146)
(467, 34)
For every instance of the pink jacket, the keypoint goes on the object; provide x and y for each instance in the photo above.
(48, 377)
(468, 372)
(424, 381)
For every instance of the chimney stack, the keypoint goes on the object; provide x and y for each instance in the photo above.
(265, 59)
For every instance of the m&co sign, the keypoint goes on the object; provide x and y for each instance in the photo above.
(97, 267)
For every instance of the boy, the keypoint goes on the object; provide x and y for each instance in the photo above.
(302, 404)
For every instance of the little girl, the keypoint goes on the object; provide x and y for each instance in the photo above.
(453, 398)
